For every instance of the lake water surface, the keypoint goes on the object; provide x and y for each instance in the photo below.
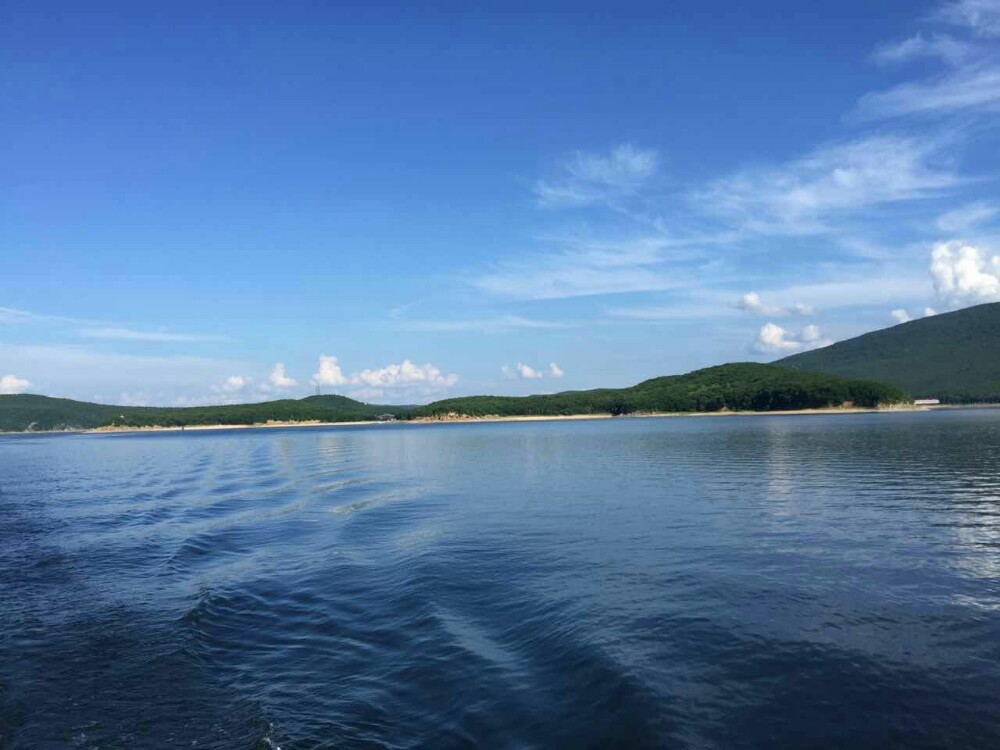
(805, 581)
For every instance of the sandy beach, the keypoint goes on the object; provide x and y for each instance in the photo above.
(461, 419)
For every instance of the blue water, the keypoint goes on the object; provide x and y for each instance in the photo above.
(692, 583)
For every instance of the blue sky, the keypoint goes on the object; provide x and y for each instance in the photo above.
(401, 203)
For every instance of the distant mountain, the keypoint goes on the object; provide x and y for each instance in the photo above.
(743, 386)
(953, 356)
(737, 387)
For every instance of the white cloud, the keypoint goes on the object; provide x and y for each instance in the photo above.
(329, 372)
(972, 88)
(233, 384)
(129, 334)
(406, 374)
(587, 267)
(521, 372)
(566, 280)
(555, 370)
(500, 324)
(942, 46)
(971, 81)
(11, 384)
(587, 178)
(964, 275)
(929, 311)
(97, 375)
(772, 338)
(966, 217)
(982, 17)
(279, 379)
(888, 286)
(811, 334)
(901, 316)
(832, 181)
(14, 316)
(752, 303)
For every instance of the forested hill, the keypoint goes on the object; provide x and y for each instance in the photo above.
(743, 386)
(28, 412)
(953, 356)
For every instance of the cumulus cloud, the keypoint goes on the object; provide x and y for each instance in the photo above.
(772, 338)
(406, 374)
(587, 178)
(233, 384)
(522, 371)
(11, 384)
(903, 316)
(329, 373)
(811, 334)
(965, 275)
(752, 303)
(279, 379)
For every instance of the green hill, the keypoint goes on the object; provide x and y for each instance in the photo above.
(743, 386)
(737, 387)
(24, 412)
(953, 356)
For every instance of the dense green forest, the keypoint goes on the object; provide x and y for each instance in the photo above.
(744, 386)
(737, 387)
(26, 412)
(953, 356)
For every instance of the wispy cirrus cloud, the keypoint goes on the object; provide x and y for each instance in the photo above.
(982, 17)
(497, 324)
(586, 178)
(589, 267)
(968, 216)
(941, 46)
(97, 329)
(970, 81)
(116, 333)
(811, 194)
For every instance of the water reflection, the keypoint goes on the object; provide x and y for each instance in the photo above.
(691, 582)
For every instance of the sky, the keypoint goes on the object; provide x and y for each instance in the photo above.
(223, 202)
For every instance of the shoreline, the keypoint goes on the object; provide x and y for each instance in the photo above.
(464, 419)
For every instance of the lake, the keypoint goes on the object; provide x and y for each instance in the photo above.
(784, 581)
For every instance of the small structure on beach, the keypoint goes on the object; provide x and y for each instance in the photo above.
(926, 402)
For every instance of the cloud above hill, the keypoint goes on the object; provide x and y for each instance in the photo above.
(11, 384)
